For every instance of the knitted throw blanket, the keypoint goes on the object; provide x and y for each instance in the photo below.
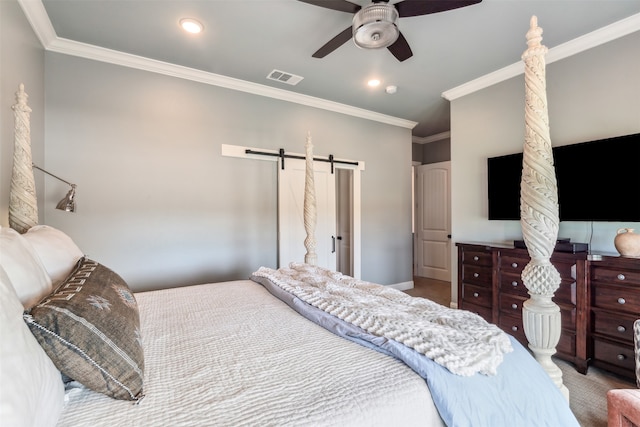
(459, 340)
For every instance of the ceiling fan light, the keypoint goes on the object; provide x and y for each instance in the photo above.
(374, 26)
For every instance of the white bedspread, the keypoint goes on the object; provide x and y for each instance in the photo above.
(231, 354)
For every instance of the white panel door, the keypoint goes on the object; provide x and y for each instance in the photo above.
(291, 232)
(433, 221)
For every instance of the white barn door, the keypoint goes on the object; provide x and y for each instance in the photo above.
(433, 221)
(291, 232)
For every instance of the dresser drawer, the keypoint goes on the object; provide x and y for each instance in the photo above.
(618, 298)
(484, 312)
(513, 326)
(512, 284)
(477, 258)
(477, 295)
(513, 265)
(615, 354)
(511, 304)
(614, 325)
(615, 276)
(477, 275)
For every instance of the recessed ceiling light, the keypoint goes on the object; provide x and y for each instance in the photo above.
(373, 82)
(191, 25)
(391, 89)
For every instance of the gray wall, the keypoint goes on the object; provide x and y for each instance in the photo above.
(591, 95)
(21, 61)
(159, 204)
(156, 200)
(432, 152)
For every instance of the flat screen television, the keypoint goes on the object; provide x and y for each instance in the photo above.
(597, 181)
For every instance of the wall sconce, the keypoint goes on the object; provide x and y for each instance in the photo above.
(68, 203)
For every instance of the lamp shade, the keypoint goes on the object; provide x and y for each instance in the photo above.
(68, 203)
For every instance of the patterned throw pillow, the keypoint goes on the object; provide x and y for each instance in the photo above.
(90, 327)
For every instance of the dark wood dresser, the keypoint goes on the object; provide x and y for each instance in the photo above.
(490, 284)
(615, 305)
(599, 299)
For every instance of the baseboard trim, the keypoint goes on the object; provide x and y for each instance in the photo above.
(404, 286)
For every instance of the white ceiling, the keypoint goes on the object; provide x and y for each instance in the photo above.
(247, 39)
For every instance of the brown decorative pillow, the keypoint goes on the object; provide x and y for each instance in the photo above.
(90, 327)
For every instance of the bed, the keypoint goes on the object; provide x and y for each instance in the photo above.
(228, 354)
(295, 346)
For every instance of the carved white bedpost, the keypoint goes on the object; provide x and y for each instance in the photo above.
(539, 213)
(310, 215)
(23, 205)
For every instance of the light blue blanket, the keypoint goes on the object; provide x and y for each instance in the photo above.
(520, 395)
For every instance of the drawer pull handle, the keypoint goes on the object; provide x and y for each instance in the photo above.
(514, 306)
(476, 275)
(475, 258)
(514, 284)
(621, 357)
(514, 265)
(476, 295)
(621, 328)
(621, 277)
(621, 301)
(514, 328)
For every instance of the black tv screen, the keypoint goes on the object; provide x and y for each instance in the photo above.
(504, 174)
(597, 181)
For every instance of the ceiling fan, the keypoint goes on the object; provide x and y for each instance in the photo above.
(374, 26)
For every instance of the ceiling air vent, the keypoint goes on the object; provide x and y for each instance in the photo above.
(281, 76)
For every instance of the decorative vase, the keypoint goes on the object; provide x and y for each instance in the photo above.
(627, 243)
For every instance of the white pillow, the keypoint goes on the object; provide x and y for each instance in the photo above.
(22, 264)
(32, 392)
(57, 251)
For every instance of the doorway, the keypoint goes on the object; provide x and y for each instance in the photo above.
(344, 221)
(432, 258)
(337, 216)
(291, 228)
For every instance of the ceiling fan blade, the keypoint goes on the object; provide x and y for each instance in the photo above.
(334, 43)
(341, 5)
(408, 8)
(400, 49)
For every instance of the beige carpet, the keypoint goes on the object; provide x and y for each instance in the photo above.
(588, 393)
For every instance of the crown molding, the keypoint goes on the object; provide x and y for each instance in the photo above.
(588, 41)
(431, 138)
(39, 20)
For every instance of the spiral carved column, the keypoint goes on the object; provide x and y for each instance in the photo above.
(310, 215)
(539, 213)
(23, 205)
